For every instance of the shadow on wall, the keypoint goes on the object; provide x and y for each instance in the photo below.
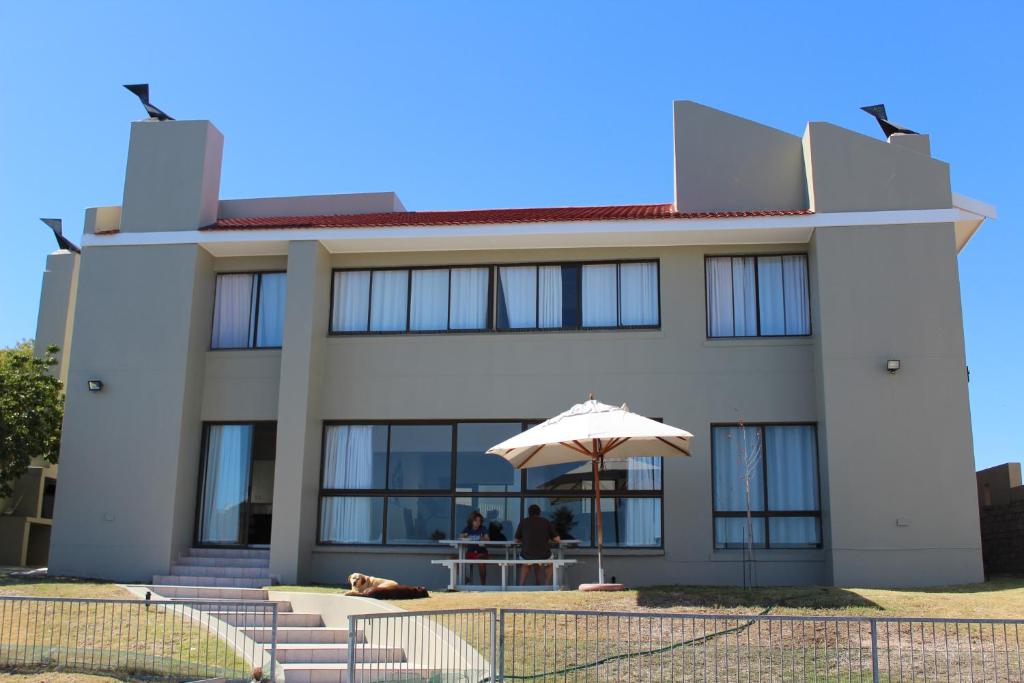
(724, 597)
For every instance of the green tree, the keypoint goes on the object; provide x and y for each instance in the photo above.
(31, 408)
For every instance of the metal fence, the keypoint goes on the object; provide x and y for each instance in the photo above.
(550, 645)
(174, 640)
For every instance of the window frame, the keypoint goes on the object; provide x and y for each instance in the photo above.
(491, 326)
(757, 256)
(522, 493)
(766, 514)
(254, 321)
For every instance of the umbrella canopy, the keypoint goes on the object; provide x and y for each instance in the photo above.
(592, 431)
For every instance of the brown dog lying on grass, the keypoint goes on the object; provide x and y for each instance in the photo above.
(383, 589)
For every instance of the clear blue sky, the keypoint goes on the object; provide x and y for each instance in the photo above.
(486, 104)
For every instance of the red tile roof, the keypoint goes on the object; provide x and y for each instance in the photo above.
(485, 216)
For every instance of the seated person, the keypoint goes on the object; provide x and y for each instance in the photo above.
(535, 533)
(475, 531)
(495, 532)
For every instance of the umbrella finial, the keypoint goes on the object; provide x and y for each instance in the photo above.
(625, 407)
(590, 396)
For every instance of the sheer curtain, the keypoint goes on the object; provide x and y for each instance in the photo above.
(468, 302)
(550, 299)
(643, 473)
(772, 295)
(519, 295)
(638, 293)
(737, 450)
(792, 483)
(732, 296)
(232, 311)
(429, 307)
(389, 298)
(794, 284)
(599, 296)
(225, 483)
(351, 309)
(348, 464)
(270, 319)
(643, 521)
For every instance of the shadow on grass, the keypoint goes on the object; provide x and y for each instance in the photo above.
(728, 597)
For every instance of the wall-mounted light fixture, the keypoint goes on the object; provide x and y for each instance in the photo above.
(892, 365)
(95, 385)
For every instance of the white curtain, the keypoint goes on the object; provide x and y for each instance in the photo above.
(429, 306)
(795, 532)
(232, 311)
(732, 296)
(270, 318)
(600, 296)
(737, 454)
(792, 468)
(469, 289)
(643, 521)
(794, 284)
(638, 293)
(225, 483)
(348, 464)
(772, 295)
(519, 294)
(731, 532)
(643, 473)
(351, 310)
(389, 297)
(550, 299)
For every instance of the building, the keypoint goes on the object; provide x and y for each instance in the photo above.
(1000, 485)
(1001, 499)
(322, 374)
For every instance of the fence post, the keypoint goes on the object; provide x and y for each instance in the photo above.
(874, 651)
(501, 645)
(351, 647)
(494, 645)
(273, 643)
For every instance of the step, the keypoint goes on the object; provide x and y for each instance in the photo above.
(186, 592)
(229, 552)
(364, 673)
(243, 618)
(228, 571)
(283, 606)
(191, 561)
(301, 634)
(309, 653)
(210, 581)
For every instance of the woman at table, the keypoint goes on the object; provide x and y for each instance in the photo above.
(476, 531)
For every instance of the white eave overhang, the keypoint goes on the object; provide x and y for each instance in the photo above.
(662, 232)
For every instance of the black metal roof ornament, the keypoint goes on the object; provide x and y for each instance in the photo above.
(63, 242)
(888, 127)
(141, 90)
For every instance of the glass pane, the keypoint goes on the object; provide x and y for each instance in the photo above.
(501, 515)
(421, 457)
(517, 297)
(770, 296)
(737, 456)
(792, 467)
(794, 284)
(225, 483)
(600, 305)
(355, 456)
(570, 516)
(549, 297)
(570, 476)
(429, 307)
(630, 474)
(351, 519)
(421, 520)
(389, 296)
(469, 296)
(232, 311)
(794, 532)
(638, 293)
(731, 532)
(351, 311)
(270, 318)
(477, 471)
(631, 522)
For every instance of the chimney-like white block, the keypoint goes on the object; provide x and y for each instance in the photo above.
(173, 177)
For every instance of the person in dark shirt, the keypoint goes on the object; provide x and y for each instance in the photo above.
(476, 531)
(535, 533)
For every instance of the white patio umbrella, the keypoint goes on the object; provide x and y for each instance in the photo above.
(593, 431)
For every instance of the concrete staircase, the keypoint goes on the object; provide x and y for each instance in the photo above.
(307, 650)
(220, 568)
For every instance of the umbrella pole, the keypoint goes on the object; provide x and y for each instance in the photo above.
(597, 511)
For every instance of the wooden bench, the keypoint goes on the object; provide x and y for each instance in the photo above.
(454, 566)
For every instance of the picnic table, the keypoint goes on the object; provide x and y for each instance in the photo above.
(509, 559)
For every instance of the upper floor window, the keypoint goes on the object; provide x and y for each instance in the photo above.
(757, 296)
(248, 311)
(515, 297)
(778, 465)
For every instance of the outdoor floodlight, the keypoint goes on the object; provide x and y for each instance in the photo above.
(95, 385)
(892, 365)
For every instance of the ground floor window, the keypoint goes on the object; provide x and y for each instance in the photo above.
(772, 470)
(406, 483)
